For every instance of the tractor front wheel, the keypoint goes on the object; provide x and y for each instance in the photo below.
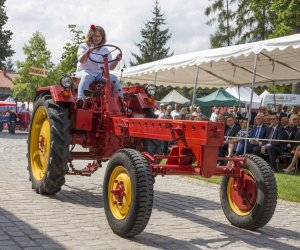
(128, 193)
(48, 146)
(253, 205)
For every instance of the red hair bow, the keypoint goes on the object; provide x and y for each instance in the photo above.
(92, 27)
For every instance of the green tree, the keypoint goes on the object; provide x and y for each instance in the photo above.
(22, 92)
(152, 47)
(255, 20)
(5, 37)
(280, 89)
(37, 55)
(288, 17)
(221, 13)
(288, 23)
(9, 65)
(68, 60)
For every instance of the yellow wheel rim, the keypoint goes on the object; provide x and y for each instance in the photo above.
(119, 192)
(242, 205)
(40, 143)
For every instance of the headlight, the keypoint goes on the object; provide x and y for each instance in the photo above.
(66, 81)
(151, 89)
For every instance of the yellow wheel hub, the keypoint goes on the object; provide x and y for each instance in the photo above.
(242, 202)
(119, 192)
(39, 143)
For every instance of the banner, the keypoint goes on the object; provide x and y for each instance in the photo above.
(38, 71)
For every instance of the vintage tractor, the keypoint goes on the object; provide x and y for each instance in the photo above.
(24, 120)
(124, 132)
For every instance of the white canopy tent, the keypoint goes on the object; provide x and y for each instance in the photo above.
(278, 62)
(263, 94)
(174, 96)
(274, 61)
(244, 94)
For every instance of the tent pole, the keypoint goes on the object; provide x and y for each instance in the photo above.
(194, 92)
(120, 80)
(251, 98)
(274, 98)
(239, 94)
(155, 78)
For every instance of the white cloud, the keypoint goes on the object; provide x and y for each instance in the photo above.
(121, 19)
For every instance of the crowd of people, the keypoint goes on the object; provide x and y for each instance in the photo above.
(185, 113)
(270, 134)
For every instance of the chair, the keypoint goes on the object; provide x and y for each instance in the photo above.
(286, 155)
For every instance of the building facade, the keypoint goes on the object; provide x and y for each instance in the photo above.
(6, 83)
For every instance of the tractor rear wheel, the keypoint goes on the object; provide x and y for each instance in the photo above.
(128, 193)
(254, 206)
(48, 146)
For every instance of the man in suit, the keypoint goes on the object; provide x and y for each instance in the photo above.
(258, 132)
(231, 130)
(273, 148)
(284, 122)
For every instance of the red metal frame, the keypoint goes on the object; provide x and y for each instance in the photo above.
(197, 141)
(57, 93)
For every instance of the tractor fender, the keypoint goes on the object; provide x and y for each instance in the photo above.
(57, 93)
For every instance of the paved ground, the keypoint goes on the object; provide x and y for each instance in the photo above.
(186, 215)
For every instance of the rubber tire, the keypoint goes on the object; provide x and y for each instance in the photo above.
(60, 137)
(142, 193)
(266, 199)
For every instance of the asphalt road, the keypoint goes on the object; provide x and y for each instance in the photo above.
(187, 214)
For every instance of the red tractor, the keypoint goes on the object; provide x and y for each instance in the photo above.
(125, 133)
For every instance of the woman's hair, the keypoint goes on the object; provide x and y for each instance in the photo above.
(91, 32)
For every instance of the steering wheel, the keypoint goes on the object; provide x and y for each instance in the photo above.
(105, 55)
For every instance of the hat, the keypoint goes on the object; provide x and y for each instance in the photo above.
(161, 104)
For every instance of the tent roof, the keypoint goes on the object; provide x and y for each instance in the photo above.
(10, 99)
(219, 98)
(174, 96)
(278, 62)
(263, 94)
(244, 94)
(6, 103)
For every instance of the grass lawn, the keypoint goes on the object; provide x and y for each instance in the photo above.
(288, 185)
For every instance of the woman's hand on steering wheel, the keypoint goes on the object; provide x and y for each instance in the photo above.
(118, 57)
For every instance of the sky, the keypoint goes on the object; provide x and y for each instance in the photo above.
(122, 21)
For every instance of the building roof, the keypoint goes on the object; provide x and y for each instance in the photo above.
(6, 79)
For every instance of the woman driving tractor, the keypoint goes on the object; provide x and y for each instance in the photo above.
(90, 58)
